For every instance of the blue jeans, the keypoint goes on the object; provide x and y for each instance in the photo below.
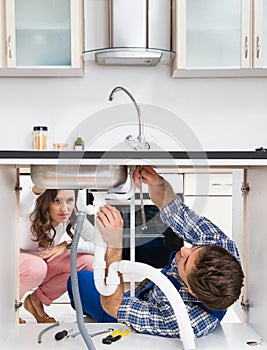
(90, 297)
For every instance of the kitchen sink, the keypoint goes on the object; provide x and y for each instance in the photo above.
(102, 177)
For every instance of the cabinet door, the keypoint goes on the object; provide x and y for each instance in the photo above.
(212, 35)
(264, 35)
(217, 209)
(43, 37)
(260, 34)
(210, 195)
(1, 34)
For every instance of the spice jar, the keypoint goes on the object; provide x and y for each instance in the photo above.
(79, 144)
(40, 137)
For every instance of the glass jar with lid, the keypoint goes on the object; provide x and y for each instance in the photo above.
(40, 137)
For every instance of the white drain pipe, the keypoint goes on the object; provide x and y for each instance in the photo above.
(99, 267)
(147, 271)
(154, 275)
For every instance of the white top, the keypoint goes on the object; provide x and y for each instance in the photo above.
(27, 245)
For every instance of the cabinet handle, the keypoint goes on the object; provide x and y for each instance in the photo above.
(246, 47)
(220, 185)
(9, 47)
(258, 47)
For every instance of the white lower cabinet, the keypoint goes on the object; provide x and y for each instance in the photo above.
(217, 209)
(210, 195)
(227, 336)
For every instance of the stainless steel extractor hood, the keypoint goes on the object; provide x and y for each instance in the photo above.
(128, 56)
(139, 33)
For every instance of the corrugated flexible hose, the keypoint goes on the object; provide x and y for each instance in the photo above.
(75, 285)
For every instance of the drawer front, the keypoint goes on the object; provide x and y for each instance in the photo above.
(207, 184)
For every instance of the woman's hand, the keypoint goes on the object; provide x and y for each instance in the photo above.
(53, 252)
(110, 224)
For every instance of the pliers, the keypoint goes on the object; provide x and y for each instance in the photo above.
(116, 335)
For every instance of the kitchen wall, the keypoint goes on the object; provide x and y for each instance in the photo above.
(225, 113)
(221, 113)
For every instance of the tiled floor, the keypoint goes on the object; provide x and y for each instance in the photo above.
(62, 311)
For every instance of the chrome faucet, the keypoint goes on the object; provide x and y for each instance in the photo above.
(142, 144)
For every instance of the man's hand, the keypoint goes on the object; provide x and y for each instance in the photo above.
(148, 175)
(160, 190)
(110, 224)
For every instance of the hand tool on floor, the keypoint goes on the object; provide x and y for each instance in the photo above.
(92, 334)
(116, 335)
(65, 334)
(45, 330)
(62, 334)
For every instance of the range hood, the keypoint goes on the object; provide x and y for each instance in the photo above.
(129, 56)
(139, 33)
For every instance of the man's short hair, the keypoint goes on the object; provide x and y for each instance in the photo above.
(217, 278)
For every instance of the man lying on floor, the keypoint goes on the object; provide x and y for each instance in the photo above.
(208, 275)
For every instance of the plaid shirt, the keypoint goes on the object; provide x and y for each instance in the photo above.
(154, 314)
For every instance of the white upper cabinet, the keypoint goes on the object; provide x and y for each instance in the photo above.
(220, 38)
(1, 34)
(41, 38)
(260, 34)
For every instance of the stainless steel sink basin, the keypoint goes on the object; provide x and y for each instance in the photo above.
(79, 176)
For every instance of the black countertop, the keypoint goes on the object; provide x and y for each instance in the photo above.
(30, 154)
